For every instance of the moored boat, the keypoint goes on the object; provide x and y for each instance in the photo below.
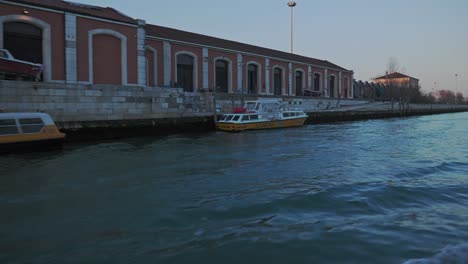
(28, 130)
(261, 114)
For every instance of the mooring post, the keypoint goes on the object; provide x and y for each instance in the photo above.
(215, 117)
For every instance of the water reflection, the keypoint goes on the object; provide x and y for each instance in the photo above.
(386, 190)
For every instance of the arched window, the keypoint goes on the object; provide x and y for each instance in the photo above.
(252, 78)
(222, 76)
(299, 82)
(185, 72)
(278, 80)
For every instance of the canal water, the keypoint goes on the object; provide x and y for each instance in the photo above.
(380, 191)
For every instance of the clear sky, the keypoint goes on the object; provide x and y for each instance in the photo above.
(428, 37)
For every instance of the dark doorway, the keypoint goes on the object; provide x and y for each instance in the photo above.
(346, 90)
(299, 79)
(252, 79)
(332, 86)
(185, 72)
(23, 40)
(277, 81)
(222, 76)
(316, 82)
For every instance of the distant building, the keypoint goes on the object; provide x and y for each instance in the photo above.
(398, 79)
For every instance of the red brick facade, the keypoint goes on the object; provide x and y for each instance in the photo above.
(103, 46)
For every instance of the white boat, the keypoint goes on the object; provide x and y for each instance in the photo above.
(261, 114)
(27, 130)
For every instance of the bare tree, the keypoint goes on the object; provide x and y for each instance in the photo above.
(393, 65)
(446, 96)
(459, 99)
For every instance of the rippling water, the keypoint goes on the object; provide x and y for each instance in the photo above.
(385, 191)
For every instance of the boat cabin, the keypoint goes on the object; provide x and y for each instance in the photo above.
(26, 128)
(240, 118)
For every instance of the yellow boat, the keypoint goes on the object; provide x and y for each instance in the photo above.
(27, 130)
(261, 114)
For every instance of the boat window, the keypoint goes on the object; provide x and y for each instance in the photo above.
(223, 118)
(3, 54)
(285, 114)
(245, 118)
(257, 107)
(8, 127)
(31, 125)
(229, 118)
(254, 117)
(235, 118)
(250, 106)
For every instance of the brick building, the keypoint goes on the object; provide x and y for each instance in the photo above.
(85, 44)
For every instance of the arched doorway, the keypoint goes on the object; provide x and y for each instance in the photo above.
(24, 41)
(317, 81)
(299, 80)
(107, 59)
(332, 86)
(151, 67)
(252, 78)
(278, 81)
(46, 52)
(221, 76)
(346, 88)
(185, 72)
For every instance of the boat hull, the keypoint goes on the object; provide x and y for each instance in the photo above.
(48, 137)
(237, 127)
(32, 146)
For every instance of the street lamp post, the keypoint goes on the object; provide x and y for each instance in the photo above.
(292, 4)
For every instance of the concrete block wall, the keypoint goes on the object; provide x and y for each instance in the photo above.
(80, 103)
(75, 106)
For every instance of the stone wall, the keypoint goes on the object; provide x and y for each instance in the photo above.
(69, 104)
(75, 107)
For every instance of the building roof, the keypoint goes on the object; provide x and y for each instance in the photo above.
(184, 36)
(82, 9)
(394, 75)
(174, 34)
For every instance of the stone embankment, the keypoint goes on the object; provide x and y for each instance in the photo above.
(116, 111)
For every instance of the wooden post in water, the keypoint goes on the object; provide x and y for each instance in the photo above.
(215, 117)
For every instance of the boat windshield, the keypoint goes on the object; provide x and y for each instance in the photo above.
(250, 106)
(3, 54)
